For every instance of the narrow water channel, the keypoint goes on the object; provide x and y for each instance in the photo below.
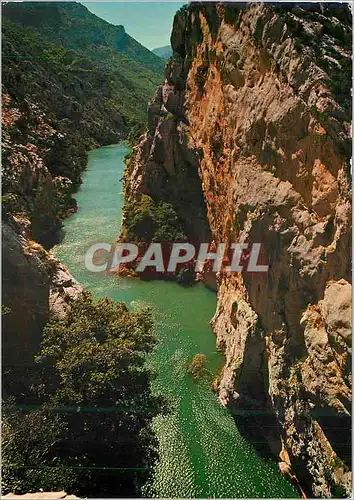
(201, 451)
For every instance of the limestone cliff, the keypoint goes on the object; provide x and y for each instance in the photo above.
(250, 136)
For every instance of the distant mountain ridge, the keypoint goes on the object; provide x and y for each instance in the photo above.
(163, 52)
(73, 26)
(128, 72)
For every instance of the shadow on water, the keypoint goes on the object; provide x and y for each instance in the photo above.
(260, 429)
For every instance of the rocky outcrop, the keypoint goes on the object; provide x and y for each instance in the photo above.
(257, 100)
(25, 307)
(34, 285)
(64, 289)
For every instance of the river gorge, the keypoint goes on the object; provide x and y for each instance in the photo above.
(242, 381)
(201, 452)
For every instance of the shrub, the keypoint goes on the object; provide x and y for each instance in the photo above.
(197, 367)
(28, 458)
(95, 405)
(135, 132)
(149, 220)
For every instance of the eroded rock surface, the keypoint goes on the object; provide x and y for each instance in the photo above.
(257, 100)
(34, 285)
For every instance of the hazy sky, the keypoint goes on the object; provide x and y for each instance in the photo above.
(149, 23)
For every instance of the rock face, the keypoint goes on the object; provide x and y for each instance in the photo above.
(257, 101)
(165, 167)
(64, 289)
(25, 302)
(34, 284)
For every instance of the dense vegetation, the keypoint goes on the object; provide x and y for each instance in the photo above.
(150, 220)
(147, 220)
(87, 55)
(75, 27)
(77, 416)
(83, 425)
(71, 81)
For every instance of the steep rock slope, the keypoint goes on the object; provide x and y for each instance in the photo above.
(71, 81)
(257, 100)
(34, 284)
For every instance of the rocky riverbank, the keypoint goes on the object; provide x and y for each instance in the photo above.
(49, 121)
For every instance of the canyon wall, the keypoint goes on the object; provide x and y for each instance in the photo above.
(70, 82)
(41, 166)
(249, 140)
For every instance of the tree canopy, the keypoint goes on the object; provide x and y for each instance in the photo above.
(90, 431)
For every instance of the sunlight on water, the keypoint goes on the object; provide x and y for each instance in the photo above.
(202, 454)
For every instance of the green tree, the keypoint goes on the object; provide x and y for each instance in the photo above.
(94, 381)
(28, 456)
(150, 220)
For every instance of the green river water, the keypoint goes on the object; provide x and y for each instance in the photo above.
(202, 454)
